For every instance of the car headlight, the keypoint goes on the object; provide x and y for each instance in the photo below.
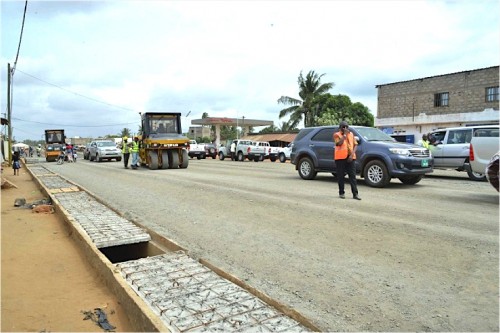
(400, 151)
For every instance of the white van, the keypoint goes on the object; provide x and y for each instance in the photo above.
(451, 149)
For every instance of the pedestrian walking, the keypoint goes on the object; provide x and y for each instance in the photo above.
(135, 153)
(345, 159)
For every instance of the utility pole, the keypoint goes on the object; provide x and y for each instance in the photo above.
(9, 114)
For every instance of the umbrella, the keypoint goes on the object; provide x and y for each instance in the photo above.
(20, 145)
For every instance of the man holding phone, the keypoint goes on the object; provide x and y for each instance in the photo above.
(345, 158)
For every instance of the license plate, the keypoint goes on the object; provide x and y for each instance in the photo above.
(424, 163)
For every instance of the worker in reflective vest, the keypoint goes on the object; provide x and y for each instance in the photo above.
(125, 151)
(135, 153)
(345, 159)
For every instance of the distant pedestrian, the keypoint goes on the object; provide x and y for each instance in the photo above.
(345, 159)
(135, 153)
(233, 151)
(125, 151)
(16, 163)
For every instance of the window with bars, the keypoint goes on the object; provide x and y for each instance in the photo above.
(492, 94)
(441, 99)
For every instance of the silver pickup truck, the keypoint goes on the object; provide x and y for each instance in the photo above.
(451, 149)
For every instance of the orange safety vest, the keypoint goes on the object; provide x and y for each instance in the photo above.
(346, 148)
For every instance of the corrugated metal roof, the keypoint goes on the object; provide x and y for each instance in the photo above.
(285, 137)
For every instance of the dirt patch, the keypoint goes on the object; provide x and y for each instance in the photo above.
(46, 280)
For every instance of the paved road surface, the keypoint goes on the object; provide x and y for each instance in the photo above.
(405, 258)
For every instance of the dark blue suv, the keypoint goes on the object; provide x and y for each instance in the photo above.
(379, 157)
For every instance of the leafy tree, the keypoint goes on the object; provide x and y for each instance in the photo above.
(269, 129)
(125, 132)
(333, 109)
(310, 88)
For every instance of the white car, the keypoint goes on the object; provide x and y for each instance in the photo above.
(284, 153)
(100, 150)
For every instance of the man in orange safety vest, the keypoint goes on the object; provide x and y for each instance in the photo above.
(345, 158)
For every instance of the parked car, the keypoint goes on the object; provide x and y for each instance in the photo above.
(451, 149)
(379, 157)
(284, 153)
(104, 150)
(270, 152)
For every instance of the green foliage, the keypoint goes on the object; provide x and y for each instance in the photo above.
(125, 132)
(204, 139)
(269, 129)
(310, 88)
(227, 133)
(332, 109)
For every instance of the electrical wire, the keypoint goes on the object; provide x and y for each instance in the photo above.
(75, 93)
(72, 125)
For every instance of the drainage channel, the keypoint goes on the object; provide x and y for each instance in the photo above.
(183, 294)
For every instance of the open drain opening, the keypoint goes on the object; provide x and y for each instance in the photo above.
(127, 252)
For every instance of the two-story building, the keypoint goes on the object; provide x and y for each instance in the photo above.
(408, 109)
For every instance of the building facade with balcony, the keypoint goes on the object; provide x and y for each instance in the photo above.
(408, 109)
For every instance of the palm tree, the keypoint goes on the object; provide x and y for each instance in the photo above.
(309, 88)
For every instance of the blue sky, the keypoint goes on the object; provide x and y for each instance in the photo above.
(91, 66)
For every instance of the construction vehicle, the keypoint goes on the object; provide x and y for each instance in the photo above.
(162, 145)
(54, 142)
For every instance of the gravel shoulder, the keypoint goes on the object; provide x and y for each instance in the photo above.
(405, 258)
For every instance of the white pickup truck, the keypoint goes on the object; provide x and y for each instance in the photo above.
(242, 150)
(201, 150)
(270, 152)
(483, 145)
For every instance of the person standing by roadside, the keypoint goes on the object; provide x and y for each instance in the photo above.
(233, 150)
(16, 163)
(345, 159)
(135, 153)
(125, 151)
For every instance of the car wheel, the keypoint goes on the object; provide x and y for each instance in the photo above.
(411, 180)
(198, 157)
(376, 174)
(241, 158)
(306, 169)
(221, 156)
(256, 159)
(282, 158)
(99, 158)
(476, 176)
(273, 159)
(119, 159)
(91, 158)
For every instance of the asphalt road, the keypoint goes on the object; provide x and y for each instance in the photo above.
(405, 258)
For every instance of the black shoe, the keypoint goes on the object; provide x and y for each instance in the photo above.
(356, 197)
(342, 196)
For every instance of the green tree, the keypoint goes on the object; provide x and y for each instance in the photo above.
(335, 108)
(310, 88)
(125, 132)
(269, 129)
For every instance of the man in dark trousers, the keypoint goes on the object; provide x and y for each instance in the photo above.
(345, 158)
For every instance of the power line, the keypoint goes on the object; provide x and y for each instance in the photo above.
(75, 93)
(72, 125)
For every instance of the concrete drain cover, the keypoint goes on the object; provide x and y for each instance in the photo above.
(190, 297)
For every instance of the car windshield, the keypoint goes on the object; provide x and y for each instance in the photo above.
(106, 144)
(374, 134)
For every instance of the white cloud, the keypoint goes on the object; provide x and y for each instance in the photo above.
(226, 58)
